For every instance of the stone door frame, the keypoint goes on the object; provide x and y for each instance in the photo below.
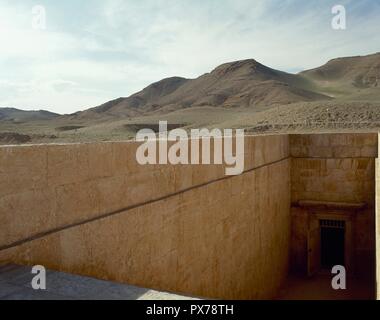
(315, 215)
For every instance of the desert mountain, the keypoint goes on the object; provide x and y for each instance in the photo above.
(245, 83)
(250, 84)
(342, 94)
(347, 76)
(16, 115)
(137, 103)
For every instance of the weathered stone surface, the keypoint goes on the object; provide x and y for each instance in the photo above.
(186, 243)
(83, 181)
(334, 168)
(224, 237)
(345, 180)
(22, 169)
(338, 145)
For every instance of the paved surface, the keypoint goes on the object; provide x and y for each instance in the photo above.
(319, 288)
(15, 284)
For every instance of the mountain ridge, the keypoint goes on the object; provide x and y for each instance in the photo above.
(242, 83)
(19, 115)
(239, 83)
(248, 83)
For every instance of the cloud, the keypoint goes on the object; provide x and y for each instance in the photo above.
(95, 51)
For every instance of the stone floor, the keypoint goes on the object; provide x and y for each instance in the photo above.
(15, 284)
(319, 288)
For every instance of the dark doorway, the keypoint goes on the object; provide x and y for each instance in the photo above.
(332, 243)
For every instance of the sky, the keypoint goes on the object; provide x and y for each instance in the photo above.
(93, 51)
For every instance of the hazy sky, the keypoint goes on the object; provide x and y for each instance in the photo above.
(93, 51)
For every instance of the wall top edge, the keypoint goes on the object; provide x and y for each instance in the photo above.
(335, 133)
(247, 134)
(113, 142)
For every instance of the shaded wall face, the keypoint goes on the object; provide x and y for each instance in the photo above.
(187, 229)
(377, 227)
(334, 168)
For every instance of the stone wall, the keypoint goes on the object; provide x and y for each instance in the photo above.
(334, 168)
(377, 225)
(91, 209)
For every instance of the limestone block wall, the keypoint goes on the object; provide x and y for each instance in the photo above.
(91, 209)
(377, 224)
(53, 186)
(334, 168)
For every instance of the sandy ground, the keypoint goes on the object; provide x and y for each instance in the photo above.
(319, 288)
(293, 118)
